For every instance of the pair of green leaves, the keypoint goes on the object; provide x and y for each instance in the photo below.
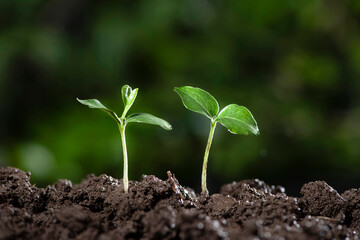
(128, 97)
(237, 119)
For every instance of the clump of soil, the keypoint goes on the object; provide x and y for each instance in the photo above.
(97, 208)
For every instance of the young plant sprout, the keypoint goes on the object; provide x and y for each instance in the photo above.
(237, 119)
(128, 97)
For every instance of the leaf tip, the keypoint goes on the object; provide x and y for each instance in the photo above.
(168, 127)
(256, 131)
(79, 100)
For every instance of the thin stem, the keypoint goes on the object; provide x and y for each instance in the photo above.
(124, 113)
(206, 156)
(125, 157)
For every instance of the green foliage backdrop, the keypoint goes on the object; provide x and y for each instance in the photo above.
(294, 64)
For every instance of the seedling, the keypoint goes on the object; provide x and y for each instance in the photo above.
(128, 97)
(237, 119)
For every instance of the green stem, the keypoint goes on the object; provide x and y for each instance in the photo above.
(206, 156)
(125, 157)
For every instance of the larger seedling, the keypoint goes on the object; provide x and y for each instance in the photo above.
(128, 97)
(237, 119)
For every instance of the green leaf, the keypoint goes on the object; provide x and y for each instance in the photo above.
(149, 119)
(198, 100)
(128, 97)
(238, 120)
(94, 103)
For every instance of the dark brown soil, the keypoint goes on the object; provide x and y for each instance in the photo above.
(156, 209)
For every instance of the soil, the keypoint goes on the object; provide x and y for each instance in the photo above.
(97, 208)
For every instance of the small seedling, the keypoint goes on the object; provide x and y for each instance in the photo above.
(128, 97)
(237, 119)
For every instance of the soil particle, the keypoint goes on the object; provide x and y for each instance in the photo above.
(259, 187)
(15, 188)
(15, 223)
(192, 224)
(319, 199)
(352, 198)
(97, 208)
(221, 207)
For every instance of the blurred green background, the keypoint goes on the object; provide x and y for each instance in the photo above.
(295, 64)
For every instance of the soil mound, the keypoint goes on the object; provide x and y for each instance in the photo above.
(97, 208)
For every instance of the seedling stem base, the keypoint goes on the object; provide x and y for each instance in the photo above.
(125, 157)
